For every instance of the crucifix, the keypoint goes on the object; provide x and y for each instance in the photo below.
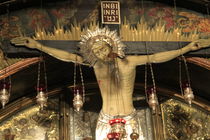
(115, 71)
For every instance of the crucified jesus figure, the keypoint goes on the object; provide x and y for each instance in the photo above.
(117, 98)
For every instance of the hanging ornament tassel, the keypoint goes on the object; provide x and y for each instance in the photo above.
(152, 101)
(78, 101)
(117, 131)
(4, 93)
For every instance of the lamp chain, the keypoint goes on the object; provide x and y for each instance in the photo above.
(38, 77)
(75, 68)
(180, 76)
(45, 75)
(83, 85)
(145, 80)
(187, 70)
(151, 70)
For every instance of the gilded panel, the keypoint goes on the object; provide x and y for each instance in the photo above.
(32, 124)
(182, 122)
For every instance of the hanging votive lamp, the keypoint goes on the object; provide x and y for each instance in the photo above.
(4, 93)
(117, 131)
(78, 100)
(152, 101)
(188, 93)
(41, 97)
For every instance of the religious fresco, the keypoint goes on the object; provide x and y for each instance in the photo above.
(27, 20)
(182, 122)
(32, 123)
(188, 20)
(9, 27)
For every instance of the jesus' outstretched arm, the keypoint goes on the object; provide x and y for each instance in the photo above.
(57, 53)
(169, 55)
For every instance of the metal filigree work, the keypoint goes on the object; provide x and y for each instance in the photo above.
(97, 41)
(182, 122)
(32, 124)
(83, 125)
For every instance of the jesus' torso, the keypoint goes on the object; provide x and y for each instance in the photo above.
(116, 94)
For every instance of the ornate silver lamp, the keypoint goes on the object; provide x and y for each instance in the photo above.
(186, 89)
(79, 91)
(4, 93)
(78, 101)
(152, 98)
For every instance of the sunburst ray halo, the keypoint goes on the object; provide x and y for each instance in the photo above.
(103, 36)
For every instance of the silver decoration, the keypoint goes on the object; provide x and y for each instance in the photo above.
(105, 35)
(4, 96)
(188, 95)
(80, 128)
(77, 101)
(153, 102)
(41, 99)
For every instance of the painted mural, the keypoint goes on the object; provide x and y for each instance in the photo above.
(24, 22)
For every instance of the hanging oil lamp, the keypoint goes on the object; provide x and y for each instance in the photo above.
(186, 89)
(78, 101)
(79, 91)
(41, 88)
(41, 97)
(4, 93)
(117, 131)
(188, 93)
(152, 101)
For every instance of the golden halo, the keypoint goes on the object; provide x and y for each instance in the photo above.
(100, 35)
